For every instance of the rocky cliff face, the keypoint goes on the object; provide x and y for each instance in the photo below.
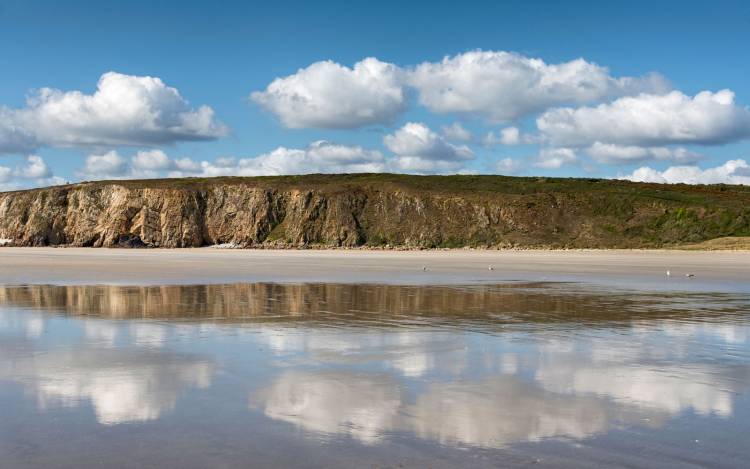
(350, 213)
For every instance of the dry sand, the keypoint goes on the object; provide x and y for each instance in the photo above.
(714, 271)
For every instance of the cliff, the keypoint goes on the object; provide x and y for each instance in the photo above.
(375, 210)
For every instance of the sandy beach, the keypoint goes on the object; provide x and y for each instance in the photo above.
(713, 271)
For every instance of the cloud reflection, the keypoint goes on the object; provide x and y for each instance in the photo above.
(553, 385)
(493, 412)
(487, 366)
(359, 405)
(122, 387)
(127, 384)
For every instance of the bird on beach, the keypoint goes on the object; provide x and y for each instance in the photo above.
(689, 275)
(490, 268)
(424, 268)
(669, 274)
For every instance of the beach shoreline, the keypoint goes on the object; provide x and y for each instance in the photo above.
(637, 269)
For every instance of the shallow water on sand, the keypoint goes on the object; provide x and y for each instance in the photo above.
(327, 375)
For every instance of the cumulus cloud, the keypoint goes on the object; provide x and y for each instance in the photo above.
(554, 158)
(154, 160)
(13, 138)
(502, 86)
(617, 154)
(318, 157)
(34, 171)
(35, 168)
(329, 95)
(508, 166)
(124, 110)
(108, 165)
(650, 120)
(508, 136)
(495, 85)
(144, 164)
(731, 172)
(6, 174)
(419, 149)
(456, 131)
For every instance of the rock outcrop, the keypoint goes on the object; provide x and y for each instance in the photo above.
(374, 211)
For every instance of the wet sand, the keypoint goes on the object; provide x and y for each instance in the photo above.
(347, 375)
(714, 271)
(252, 356)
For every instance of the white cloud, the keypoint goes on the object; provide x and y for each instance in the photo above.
(508, 136)
(731, 172)
(456, 131)
(502, 86)
(508, 166)
(329, 95)
(416, 139)
(419, 149)
(417, 165)
(495, 85)
(13, 138)
(144, 164)
(153, 160)
(124, 110)
(185, 165)
(617, 154)
(553, 158)
(318, 157)
(650, 120)
(34, 171)
(5, 174)
(108, 165)
(35, 168)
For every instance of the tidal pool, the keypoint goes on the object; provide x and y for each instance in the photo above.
(337, 375)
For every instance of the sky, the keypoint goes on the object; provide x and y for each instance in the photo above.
(649, 91)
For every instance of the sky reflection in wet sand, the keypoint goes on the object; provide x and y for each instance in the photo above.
(330, 374)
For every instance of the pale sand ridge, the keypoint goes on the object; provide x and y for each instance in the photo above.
(714, 271)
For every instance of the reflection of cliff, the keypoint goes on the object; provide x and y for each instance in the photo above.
(381, 304)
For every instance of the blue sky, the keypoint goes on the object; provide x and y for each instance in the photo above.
(472, 67)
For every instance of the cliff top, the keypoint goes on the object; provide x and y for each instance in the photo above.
(458, 184)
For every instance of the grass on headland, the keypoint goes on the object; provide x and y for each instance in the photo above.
(729, 243)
